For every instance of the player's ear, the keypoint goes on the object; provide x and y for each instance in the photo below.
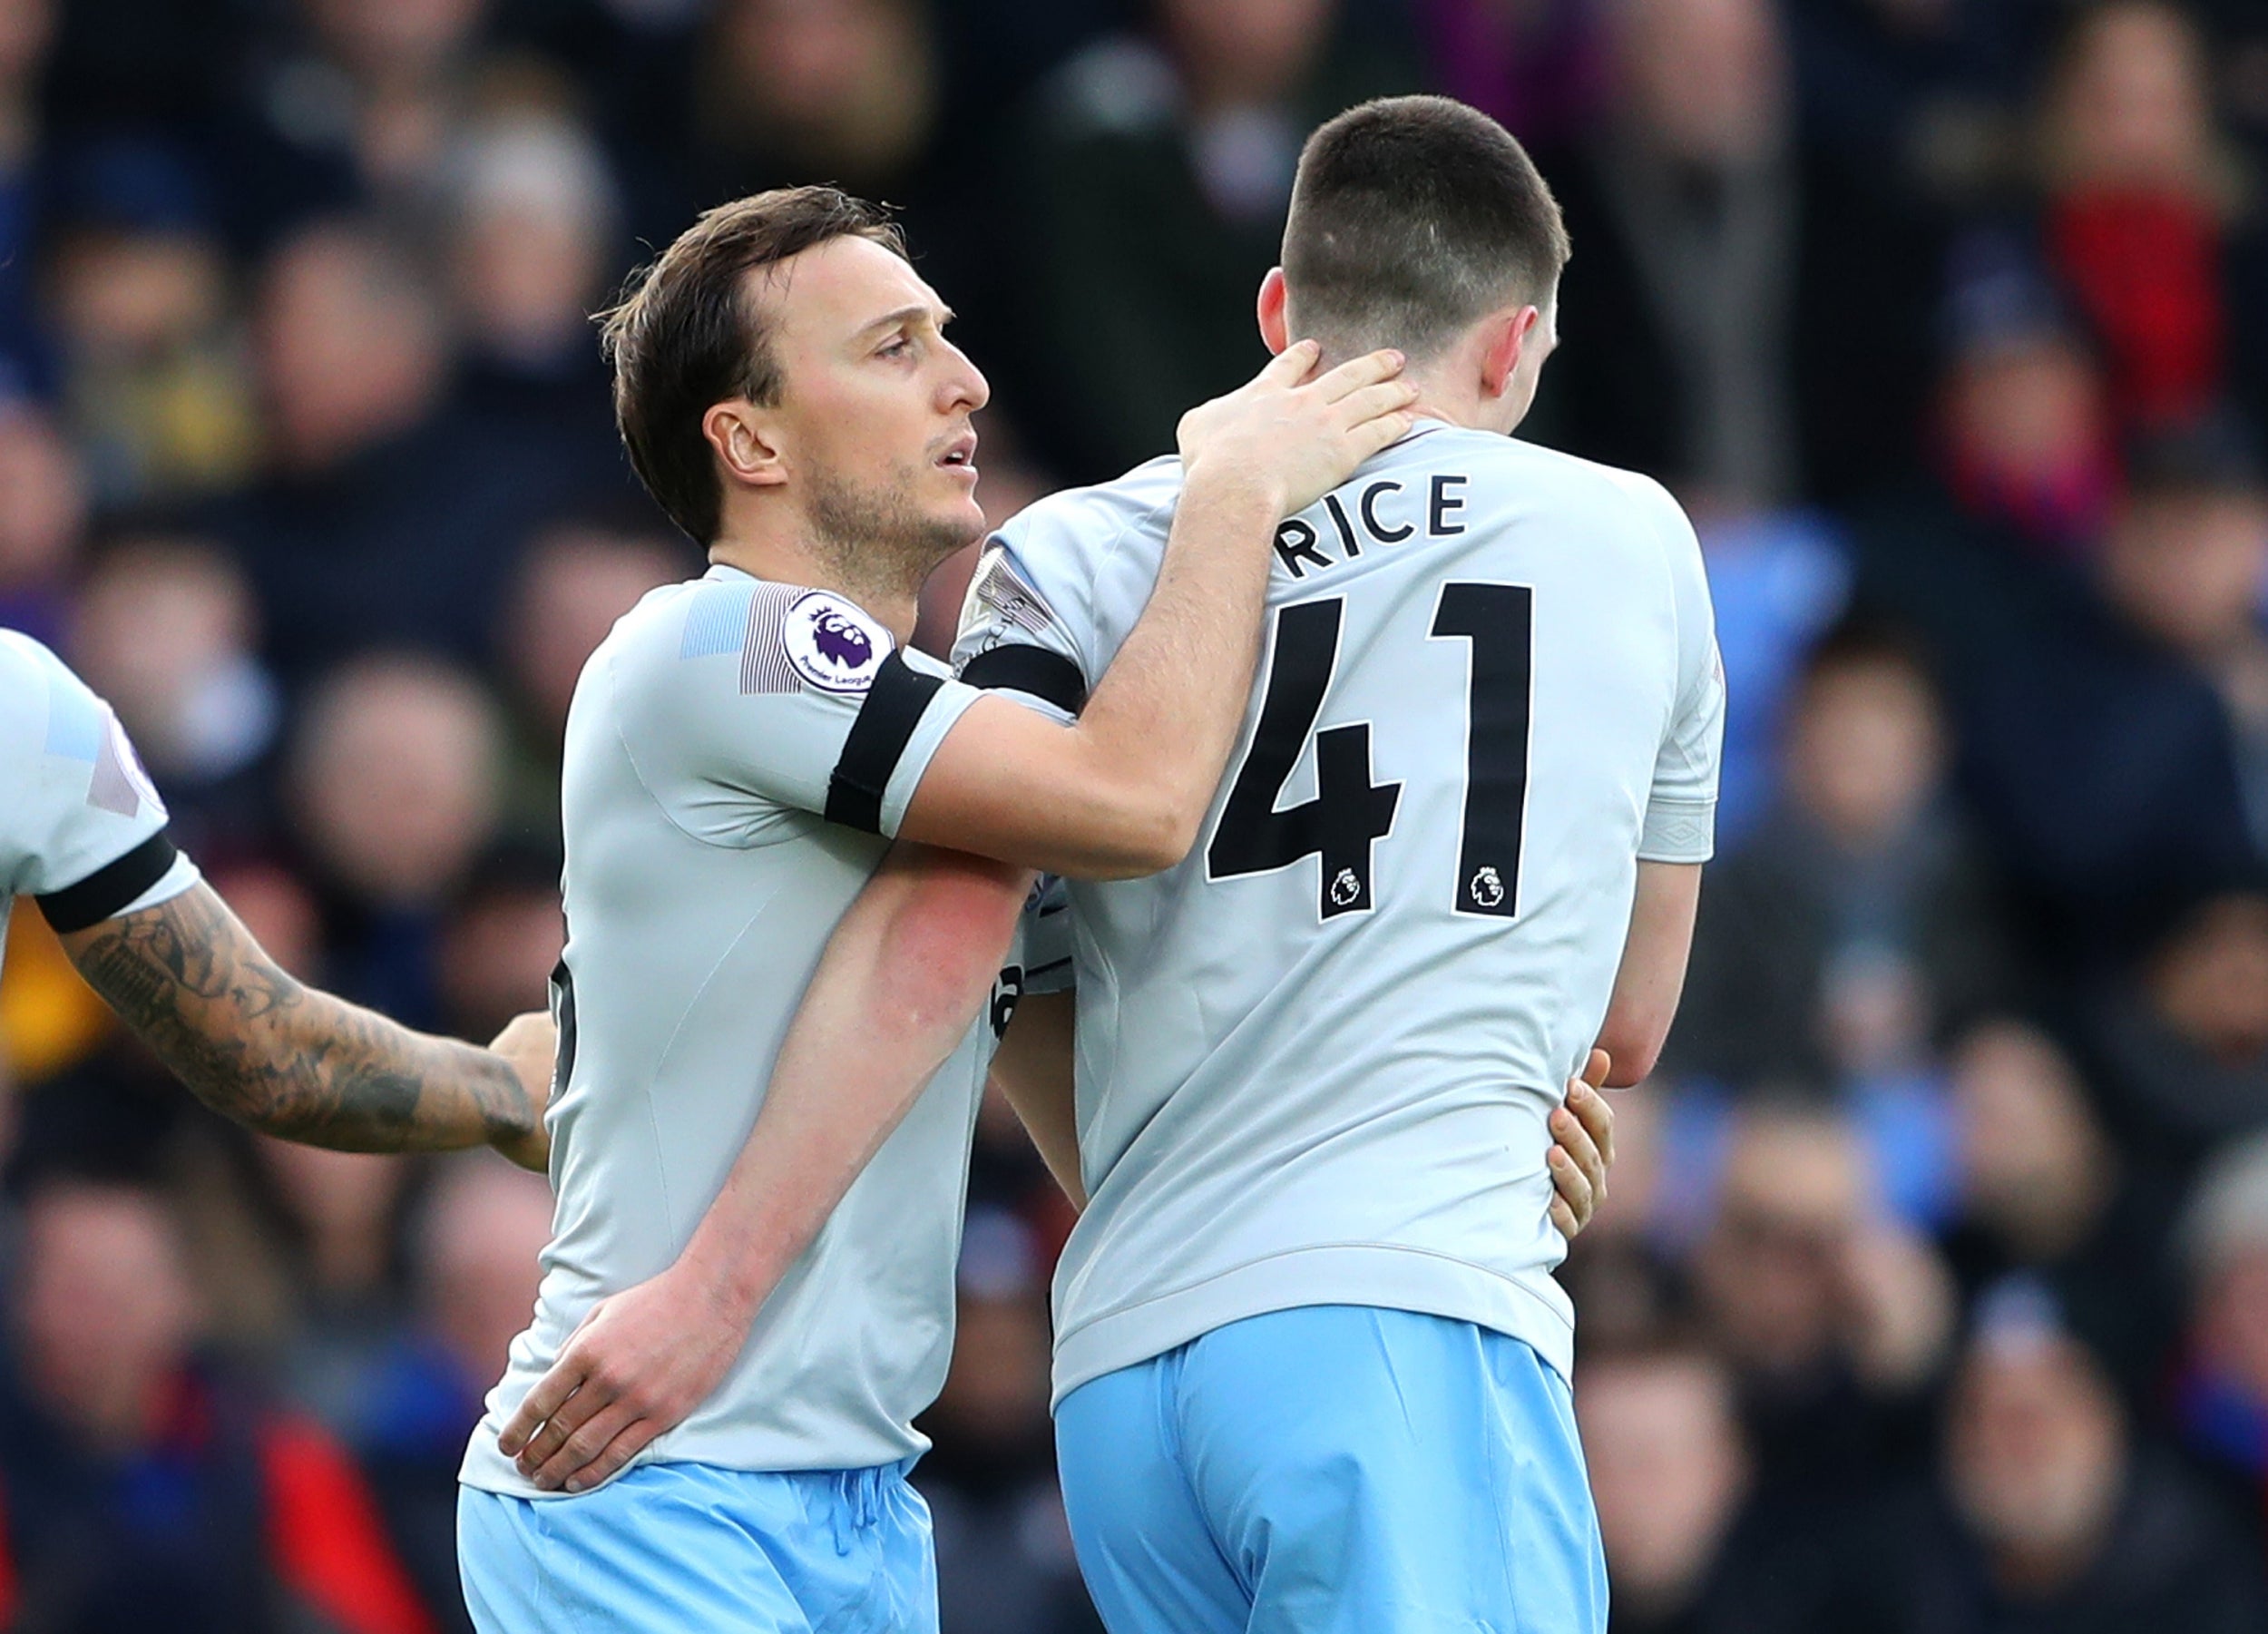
(742, 436)
(1504, 335)
(1270, 307)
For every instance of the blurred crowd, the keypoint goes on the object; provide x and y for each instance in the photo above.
(1932, 1295)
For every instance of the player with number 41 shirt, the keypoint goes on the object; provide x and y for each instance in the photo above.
(1316, 1060)
(1322, 1050)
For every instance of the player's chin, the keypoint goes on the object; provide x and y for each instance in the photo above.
(954, 511)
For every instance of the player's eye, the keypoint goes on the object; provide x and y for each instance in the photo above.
(903, 347)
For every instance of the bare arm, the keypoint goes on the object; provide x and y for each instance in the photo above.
(1122, 791)
(1033, 1070)
(1653, 969)
(906, 968)
(261, 1048)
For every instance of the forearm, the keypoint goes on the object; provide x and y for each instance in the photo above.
(1034, 1072)
(1166, 714)
(1652, 976)
(906, 973)
(261, 1048)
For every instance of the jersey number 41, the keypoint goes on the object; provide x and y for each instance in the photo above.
(1349, 813)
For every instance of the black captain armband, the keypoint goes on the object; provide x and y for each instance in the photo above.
(877, 740)
(105, 893)
(1030, 670)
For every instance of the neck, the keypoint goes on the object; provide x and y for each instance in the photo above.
(787, 556)
(1440, 400)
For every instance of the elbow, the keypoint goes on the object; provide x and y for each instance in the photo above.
(1633, 1051)
(1153, 834)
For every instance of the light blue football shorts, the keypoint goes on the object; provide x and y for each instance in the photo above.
(688, 1548)
(1333, 1469)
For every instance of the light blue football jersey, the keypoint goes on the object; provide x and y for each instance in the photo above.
(1316, 1060)
(736, 753)
(81, 828)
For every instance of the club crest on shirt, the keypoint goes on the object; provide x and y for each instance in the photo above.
(832, 645)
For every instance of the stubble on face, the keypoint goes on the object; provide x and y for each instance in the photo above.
(875, 536)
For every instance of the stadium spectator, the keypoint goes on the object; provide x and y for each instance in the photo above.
(154, 379)
(138, 1477)
(533, 241)
(474, 1277)
(574, 580)
(501, 940)
(2044, 1189)
(1538, 69)
(787, 89)
(394, 777)
(1157, 170)
(383, 519)
(165, 629)
(1779, 581)
(1838, 943)
(1708, 307)
(1835, 1321)
(2053, 1515)
(27, 30)
(1688, 1548)
(2184, 1040)
(43, 519)
(2185, 562)
(2107, 719)
(2147, 216)
(346, 106)
(2221, 1394)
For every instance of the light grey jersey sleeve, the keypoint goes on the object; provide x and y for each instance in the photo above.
(829, 715)
(1681, 808)
(82, 828)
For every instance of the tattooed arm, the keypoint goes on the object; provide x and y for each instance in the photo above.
(261, 1048)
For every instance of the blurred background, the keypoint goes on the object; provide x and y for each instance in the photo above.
(1933, 1291)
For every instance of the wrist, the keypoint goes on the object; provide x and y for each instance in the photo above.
(733, 1285)
(1230, 484)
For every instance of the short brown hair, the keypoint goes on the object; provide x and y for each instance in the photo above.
(687, 334)
(1411, 217)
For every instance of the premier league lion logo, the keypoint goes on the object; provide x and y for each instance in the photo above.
(841, 641)
(833, 646)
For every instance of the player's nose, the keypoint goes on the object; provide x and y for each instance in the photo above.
(966, 390)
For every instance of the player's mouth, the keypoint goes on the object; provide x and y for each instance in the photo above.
(960, 455)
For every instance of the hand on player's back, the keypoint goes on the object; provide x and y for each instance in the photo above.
(1583, 1148)
(1298, 437)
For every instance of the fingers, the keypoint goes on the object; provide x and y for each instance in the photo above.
(1370, 436)
(1596, 1069)
(590, 1403)
(1595, 1113)
(1290, 365)
(1373, 401)
(1564, 1217)
(1352, 376)
(1574, 1189)
(625, 1446)
(564, 1466)
(1576, 1140)
(551, 1392)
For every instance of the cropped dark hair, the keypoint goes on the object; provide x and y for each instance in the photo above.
(1411, 217)
(688, 334)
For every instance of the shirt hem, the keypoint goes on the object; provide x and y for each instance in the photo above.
(1527, 1306)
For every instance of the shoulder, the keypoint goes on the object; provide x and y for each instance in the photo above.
(40, 698)
(1609, 490)
(1093, 518)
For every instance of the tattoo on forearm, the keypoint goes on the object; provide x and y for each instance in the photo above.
(257, 1046)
